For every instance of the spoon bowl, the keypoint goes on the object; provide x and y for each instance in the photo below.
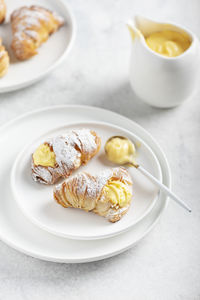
(129, 158)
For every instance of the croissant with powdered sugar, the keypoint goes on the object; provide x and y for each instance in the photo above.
(32, 26)
(61, 155)
(108, 194)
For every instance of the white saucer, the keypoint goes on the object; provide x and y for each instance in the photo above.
(18, 232)
(36, 200)
(50, 54)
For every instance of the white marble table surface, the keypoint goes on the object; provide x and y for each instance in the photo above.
(166, 264)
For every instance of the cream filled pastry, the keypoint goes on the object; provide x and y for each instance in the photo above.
(108, 194)
(61, 155)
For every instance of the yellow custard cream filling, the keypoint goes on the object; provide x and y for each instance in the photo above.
(168, 43)
(119, 150)
(118, 193)
(43, 156)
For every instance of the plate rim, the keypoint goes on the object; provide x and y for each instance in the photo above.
(71, 236)
(18, 86)
(115, 115)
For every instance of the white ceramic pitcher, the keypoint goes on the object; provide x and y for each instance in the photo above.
(159, 80)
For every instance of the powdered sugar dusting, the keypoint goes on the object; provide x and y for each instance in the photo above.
(68, 149)
(30, 16)
(86, 140)
(102, 178)
(88, 184)
(113, 212)
(85, 184)
(94, 184)
(41, 173)
(64, 147)
(59, 18)
(66, 154)
(32, 33)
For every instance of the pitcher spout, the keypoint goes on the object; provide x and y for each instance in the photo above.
(139, 27)
(134, 32)
(145, 25)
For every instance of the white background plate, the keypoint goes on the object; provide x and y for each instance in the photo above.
(18, 232)
(36, 200)
(50, 54)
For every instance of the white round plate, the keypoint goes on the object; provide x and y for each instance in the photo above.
(50, 54)
(36, 200)
(18, 232)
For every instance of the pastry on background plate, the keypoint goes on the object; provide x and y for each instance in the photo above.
(4, 60)
(108, 194)
(2, 11)
(61, 155)
(31, 26)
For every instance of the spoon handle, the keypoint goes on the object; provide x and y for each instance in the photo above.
(163, 188)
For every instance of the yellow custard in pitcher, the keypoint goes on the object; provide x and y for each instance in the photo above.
(168, 43)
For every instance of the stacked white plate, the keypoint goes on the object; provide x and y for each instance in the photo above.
(33, 223)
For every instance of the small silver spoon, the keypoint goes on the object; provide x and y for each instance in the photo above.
(130, 160)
